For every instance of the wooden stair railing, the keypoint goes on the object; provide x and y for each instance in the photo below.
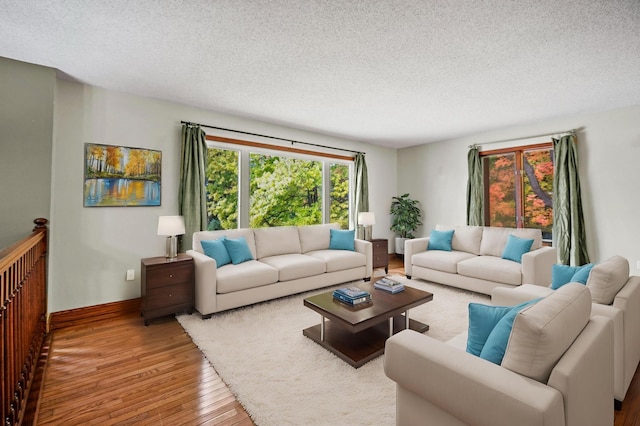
(23, 318)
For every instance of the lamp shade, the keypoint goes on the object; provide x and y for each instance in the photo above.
(171, 225)
(366, 218)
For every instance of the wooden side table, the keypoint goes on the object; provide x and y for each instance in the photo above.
(381, 253)
(167, 286)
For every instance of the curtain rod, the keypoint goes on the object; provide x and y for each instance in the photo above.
(563, 132)
(189, 123)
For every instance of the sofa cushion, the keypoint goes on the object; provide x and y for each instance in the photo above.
(563, 274)
(543, 332)
(516, 247)
(491, 268)
(342, 239)
(276, 240)
(238, 249)
(440, 240)
(252, 273)
(315, 237)
(445, 261)
(340, 260)
(494, 239)
(465, 238)
(293, 266)
(607, 279)
(216, 250)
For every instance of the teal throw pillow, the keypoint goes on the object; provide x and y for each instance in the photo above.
(496, 344)
(482, 320)
(516, 247)
(582, 274)
(563, 274)
(342, 239)
(440, 240)
(215, 249)
(238, 250)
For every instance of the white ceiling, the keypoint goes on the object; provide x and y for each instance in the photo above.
(394, 73)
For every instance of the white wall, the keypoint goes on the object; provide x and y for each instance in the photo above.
(609, 154)
(91, 248)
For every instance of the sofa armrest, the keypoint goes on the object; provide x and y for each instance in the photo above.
(628, 301)
(366, 248)
(585, 375)
(411, 247)
(537, 265)
(205, 282)
(467, 387)
(503, 296)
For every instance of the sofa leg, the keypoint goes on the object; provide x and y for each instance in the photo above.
(408, 276)
(206, 317)
(617, 405)
(367, 279)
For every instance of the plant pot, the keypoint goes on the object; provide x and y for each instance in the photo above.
(400, 245)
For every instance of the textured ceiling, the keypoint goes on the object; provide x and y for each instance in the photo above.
(394, 73)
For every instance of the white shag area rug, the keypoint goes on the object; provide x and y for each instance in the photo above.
(283, 378)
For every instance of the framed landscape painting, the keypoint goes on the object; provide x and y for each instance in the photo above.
(119, 176)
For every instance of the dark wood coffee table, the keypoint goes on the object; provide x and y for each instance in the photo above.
(358, 334)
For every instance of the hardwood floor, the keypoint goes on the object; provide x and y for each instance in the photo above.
(121, 372)
(118, 371)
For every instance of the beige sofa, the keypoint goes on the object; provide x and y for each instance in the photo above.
(286, 260)
(615, 295)
(568, 380)
(475, 262)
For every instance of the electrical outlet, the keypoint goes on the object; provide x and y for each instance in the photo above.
(131, 274)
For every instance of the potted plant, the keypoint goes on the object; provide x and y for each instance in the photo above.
(405, 219)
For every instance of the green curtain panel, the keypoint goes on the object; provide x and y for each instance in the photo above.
(192, 194)
(475, 205)
(361, 196)
(569, 233)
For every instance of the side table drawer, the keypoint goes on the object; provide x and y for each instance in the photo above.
(169, 296)
(166, 276)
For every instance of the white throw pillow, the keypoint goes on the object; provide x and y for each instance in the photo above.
(607, 279)
(543, 332)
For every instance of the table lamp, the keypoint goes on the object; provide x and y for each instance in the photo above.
(171, 226)
(367, 220)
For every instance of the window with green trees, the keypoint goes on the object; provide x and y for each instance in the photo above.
(518, 186)
(282, 190)
(222, 188)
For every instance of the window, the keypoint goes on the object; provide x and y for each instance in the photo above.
(274, 190)
(284, 191)
(339, 193)
(518, 186)
(222, 189)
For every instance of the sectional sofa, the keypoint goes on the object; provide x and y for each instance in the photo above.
(566, 380)
(280, 261)
(475, 260)
(615, 295)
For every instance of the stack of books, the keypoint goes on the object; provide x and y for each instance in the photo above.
(387, 284)
(352, 296)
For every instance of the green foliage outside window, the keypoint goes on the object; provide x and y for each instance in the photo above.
(339, 210)
(222, 189)
(283, 191)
